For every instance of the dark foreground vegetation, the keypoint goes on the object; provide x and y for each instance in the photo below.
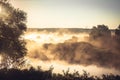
(32, 74)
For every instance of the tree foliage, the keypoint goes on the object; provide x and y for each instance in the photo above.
(117, 35)
(101, 31)
(12, 27)
(117, 31)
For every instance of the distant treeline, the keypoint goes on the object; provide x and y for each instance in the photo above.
(33, 74)
(73, 30)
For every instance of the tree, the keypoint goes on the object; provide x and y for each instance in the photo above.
(117, 31)
(117, 34)
(12, 27)
(101, 31)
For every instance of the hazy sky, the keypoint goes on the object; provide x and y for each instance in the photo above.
(70, 13)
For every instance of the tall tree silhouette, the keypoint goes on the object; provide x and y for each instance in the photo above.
(12, 27)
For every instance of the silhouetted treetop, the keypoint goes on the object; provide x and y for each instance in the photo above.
(117, 31)
(100, 31)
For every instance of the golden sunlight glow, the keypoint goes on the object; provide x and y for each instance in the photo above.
(59, 66)
(36, 53)
(0, 9)
(57, 37)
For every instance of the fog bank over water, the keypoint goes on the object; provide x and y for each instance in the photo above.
(69, 48)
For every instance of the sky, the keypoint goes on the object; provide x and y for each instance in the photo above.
(70, 13)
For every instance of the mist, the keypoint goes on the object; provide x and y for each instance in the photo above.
(71, 48)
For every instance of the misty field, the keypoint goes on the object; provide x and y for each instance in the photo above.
(73, 48)
(68, 54)
(58, 53)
